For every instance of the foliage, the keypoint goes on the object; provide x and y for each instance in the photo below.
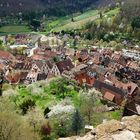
(26, 104)
(130, 9)
(35, 118)
(46, 129)
(136, 22)
(46, 111)
(64, 108)
(88, 101)
(60, 117)
(60, 87)
(77, 122)
(35, 24)
(12, 126)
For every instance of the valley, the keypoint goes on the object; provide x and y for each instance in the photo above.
(69, 70)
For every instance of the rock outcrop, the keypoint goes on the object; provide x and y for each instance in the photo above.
(127, 129)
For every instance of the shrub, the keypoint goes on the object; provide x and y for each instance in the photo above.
(46, 129)
(26, 104)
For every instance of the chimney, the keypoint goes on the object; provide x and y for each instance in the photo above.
(129, 88)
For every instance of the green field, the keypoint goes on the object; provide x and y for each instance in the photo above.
(65, 23)
(14, 29)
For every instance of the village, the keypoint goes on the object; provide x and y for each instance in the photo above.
(114, 73)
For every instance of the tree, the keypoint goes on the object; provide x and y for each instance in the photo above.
(135, 22)
(101, 14)
(130, 9)
(60, 117)
(46, 111)
(35, 24)
(77, 122)
(88, 102)
(35, 118)
(12, 126)
(26, 104)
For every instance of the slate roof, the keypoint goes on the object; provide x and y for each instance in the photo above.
(23, 66)
(64, 65)
(41, 76)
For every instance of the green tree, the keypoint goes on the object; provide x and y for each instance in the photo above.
(12, 126)
(135, 23)
(88, 102)
(77, 122)
(35, 24)
(26, 104)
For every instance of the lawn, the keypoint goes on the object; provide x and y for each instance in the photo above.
(14, 29)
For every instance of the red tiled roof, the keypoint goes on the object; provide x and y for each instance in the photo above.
(109, 96)
(124, 86)
(13, 78)
(37, 57)
(115, 56)
(1, 66)
(132, 65)
(6, 55)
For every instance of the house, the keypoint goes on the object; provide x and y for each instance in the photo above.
(32, 76)
(21, 39)
(79, 68)
(96, 58)
(110, 92)
(23, 66)
(37, 57)
(83, 55)
(129, 87)
(132, 65)
(1, 67)
(3, 39)
(106, 52)
(132, 108)
(101, 71)
(118, 58)
(61, 66)
(55, 71)
(6, 56)
(39, 71)
(12, 77)
(68, 74)
(86, 77)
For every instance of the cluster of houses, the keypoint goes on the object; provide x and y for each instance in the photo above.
(116, 76)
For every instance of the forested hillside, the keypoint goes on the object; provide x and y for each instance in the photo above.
(49, 7)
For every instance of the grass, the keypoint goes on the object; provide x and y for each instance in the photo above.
(99, 117)
(14, 29)
(65, 23)
(79, 21)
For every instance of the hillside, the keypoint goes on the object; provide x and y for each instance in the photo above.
(53, 7)
(79, 20)
(127, 129)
